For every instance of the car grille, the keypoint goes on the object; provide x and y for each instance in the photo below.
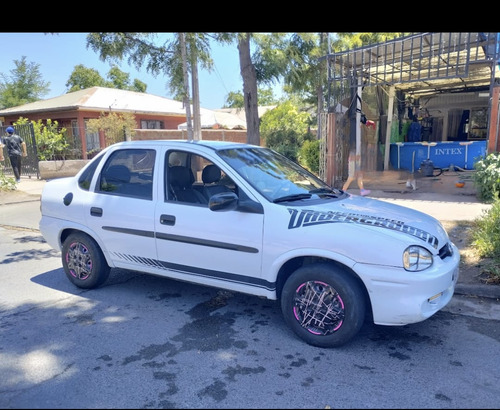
(446, 251)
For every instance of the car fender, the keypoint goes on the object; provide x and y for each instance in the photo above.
(282, 259)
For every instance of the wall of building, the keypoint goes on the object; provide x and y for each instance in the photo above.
(206, 134)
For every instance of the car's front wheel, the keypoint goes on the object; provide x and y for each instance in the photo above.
(83, 261)
(323, 305)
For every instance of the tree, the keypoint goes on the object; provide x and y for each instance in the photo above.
(83, 77)
(116, 126)
(237, 100)
(234, 100)
(160, 55)
(285, 128)
(249, 77)
(121, 80)
(24, 85)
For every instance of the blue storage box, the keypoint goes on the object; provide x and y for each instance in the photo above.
(443, 154)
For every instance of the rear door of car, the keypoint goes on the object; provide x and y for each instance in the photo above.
(121, 207)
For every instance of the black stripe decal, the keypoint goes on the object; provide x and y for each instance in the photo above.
(194, 271)
(183, 239)
(138, 232)
(304, 218)
(206, 242)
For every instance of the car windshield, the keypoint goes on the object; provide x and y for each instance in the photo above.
(276, 177)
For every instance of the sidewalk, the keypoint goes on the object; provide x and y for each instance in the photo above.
(435, 196)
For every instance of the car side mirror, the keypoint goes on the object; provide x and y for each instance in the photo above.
(225, 201)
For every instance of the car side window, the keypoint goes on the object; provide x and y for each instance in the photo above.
(193, 178)
(88, 174)
(128, 172)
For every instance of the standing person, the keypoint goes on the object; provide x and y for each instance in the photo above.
(16, 149)
(355, 173)
(414, 135)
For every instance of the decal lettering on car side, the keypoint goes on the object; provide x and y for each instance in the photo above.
(303, 218)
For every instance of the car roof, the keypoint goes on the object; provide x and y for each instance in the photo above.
(215, 145)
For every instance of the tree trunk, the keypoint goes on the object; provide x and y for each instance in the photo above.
(249, 77)
(187, 103)
(196, 94)
(319, 88)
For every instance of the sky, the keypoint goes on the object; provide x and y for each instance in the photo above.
(57, 54)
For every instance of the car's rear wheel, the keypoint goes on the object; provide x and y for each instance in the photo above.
(323, 305)
(84, 262)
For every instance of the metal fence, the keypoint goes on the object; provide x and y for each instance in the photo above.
(29, 165)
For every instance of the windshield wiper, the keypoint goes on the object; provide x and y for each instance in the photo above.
(296, 197)
(325, 191)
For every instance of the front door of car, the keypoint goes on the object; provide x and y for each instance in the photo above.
(222, 248)
(121, 208)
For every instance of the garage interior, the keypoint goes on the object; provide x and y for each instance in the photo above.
(450, 82)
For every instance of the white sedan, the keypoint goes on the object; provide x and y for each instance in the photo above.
(247, 219)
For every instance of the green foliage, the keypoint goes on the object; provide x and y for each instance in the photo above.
(309, 155)
(486, 237)
(50, 139)
(83, 77)
(7, 183)
(159, 53)
(487, 177)
(285, 128)
(236, 99)
(115, 125)
(23, 86)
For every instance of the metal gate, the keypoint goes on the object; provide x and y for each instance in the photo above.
(29, 165)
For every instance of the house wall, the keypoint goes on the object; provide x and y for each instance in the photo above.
(206, 134)
(170, 122)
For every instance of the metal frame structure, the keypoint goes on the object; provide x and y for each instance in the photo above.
(420, 64)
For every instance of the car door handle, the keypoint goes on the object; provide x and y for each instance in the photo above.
(167, 220)
(94, 211)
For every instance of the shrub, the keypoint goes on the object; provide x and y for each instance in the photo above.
(7, 183)
(487, 177)
(486, 238)
(285, 128)
(50, 140)
(486, 232)
(309, 155)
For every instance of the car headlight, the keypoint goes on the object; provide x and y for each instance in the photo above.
(416, 258)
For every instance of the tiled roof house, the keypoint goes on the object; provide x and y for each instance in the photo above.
(73, 110)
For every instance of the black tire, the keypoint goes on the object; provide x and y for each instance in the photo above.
(341, 313)
(84, 262)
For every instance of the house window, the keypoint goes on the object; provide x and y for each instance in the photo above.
(74, 128)
(92, 139)
(152, 125)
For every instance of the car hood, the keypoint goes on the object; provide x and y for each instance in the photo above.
(376, 215)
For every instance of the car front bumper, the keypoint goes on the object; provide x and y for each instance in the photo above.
(399, 297)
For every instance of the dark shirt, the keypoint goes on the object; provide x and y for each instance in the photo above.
(13, 143)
